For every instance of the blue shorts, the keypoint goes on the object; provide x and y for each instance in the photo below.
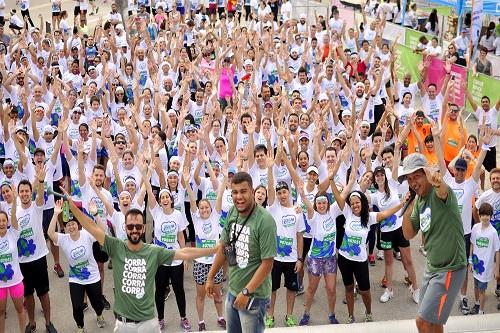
(482, 286)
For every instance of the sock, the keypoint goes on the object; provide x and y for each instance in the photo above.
(462, 297)
(201, 322)
(498, 286)
(481, 312)
(220, 318)
(477, 303)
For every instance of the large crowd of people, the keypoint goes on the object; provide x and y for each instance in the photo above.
(200, 116)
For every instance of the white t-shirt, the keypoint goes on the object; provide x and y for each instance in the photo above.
(9, 259)
(118, 222)
(464, 192)
(89, 195)
(227, 203)
(288, 224)
(76, 192)
(259, 176)
(485, 245)
(324, 232)
(491, 121)
(354, 242)
(31, 244)
(310, 196)
(207, 190)
(393, 222)
(82, 265)
(493, 199)
(207, 233)
(166, 229)
(433, 107)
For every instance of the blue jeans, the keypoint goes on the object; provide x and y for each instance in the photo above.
(246, 321)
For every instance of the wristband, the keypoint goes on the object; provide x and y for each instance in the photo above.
(447, 73)
(41, 181)
(470, 260)
(301, 260)
(157, 155)
(486, 147)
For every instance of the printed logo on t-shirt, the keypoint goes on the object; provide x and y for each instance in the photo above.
(80, 271)
(284, 246)
(241, 245)
(477, 265)
(425, 219)
(483, 242)
(356, 225)
(77, 253)
(288, 221)
(169, 232)
(4, 246)
(351, 245)
(134, 277)
(328, 224)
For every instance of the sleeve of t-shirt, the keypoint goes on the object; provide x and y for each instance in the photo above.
(164, 256)
(479, 201)
(111, 244)
(61, 239)
(301, 226)
(334, 210)
(448, 177)
(224, 236)
(267, 237)
(372, 219)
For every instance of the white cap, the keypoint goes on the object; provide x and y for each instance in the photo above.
(313, 168)
(322, 97)
(119, 26)
(303, 16)
(48, 129)
(248, 62)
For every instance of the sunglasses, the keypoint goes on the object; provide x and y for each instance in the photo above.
(119, 94)
(137, 227)
(76, 112)
(120, 143)
(455, 110)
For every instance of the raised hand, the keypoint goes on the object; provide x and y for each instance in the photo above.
(434, 177)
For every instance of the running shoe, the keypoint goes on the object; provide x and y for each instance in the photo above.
(107, 306)
(368, 318)
(498, 307)
(497, 291)
(290, 321)
(300, 291)
(415, 294)
(305, 320)
(58, 270)
(80, 330)
(186, 327)
(110, 264)
(332, 320)
(222, 323)
(383, 283)
(100, 321)
(30, 329)
(397, 255)
(269, 322)
(407, 281)
(464, 307)
(371, 259)
(201, 327)
(474, 310)
(97, 9)
(350, 320)
(91, 14)
(85, 306)
(161, 323)
(387, 295)
(380, 255)
(50, 328)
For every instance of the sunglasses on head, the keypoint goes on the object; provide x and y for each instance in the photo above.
(137, 227)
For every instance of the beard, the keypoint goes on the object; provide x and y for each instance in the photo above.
(132, 240)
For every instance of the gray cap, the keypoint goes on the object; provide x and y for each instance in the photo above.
(412, 163)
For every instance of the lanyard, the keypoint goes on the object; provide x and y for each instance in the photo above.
(235, 237)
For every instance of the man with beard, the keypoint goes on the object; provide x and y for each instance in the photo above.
(248, 245)
(134, 268)
(88, 196)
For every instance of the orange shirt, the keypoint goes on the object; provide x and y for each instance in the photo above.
(431, 157)
(451, 139)
(412, 140)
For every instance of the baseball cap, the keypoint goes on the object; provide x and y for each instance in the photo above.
(232, 169)
(38, 150)
(461, 164)
(282, 185)
(8, 161)
(303, 16)
(48, 129)
(119, 26)
(379, 169)
(412, 163)
(303, 135)
(21, 129)
(313, 168)
(90, 68)
(248, 62)
(346, 113)
(322, 97)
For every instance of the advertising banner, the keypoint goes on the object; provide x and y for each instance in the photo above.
(437, 73)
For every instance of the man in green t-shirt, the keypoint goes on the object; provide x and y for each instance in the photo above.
(435, 212)
(134, 269)
(249, 247)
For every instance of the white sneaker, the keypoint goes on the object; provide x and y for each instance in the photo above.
(387, 295)
(415, 294)
(380, 255)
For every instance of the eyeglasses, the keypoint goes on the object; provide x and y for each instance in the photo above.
(76, 112)
(119, 94)
(137, 227)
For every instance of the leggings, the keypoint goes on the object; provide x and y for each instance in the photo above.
(378, 111)
(77, 292)
(27, 13)
(187, 212)
(174, 274)
(373, 237)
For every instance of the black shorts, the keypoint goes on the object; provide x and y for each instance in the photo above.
(99, 254)
(83, 12)
(47, 217)
(76, 11)
(490, 160)
(288, 270)
(393, 239)
(467, 245)
(351, 270)
(56, 14)
(35, 276)
(306, 247)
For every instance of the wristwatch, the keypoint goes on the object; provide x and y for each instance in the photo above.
(246, 292)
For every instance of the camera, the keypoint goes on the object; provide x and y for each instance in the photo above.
(230, 253)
